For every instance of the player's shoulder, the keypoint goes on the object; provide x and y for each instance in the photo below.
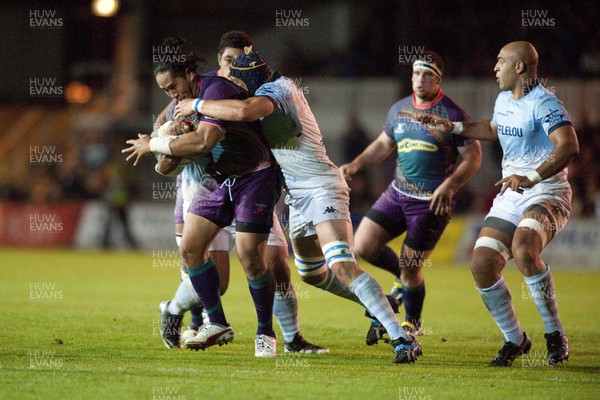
(279, 85)
(542, 93)
(216, 87)
(400, 104)
(454, 110)
(207, 80)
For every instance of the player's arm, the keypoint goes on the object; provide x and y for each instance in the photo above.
(566, 147)
(200, 141)
(228, 110)
(375, 153)
(480, 130)
(441, 199)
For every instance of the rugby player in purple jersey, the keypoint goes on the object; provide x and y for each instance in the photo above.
(420, 199)
(242, 183)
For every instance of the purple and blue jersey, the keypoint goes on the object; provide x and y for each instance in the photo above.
(425, 157)
(244, 149)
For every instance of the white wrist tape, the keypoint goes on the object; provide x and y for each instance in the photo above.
(161, 145)
(534, 177)
(198, 105)
(457, 128)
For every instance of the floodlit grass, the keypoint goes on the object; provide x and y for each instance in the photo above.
(85, 326)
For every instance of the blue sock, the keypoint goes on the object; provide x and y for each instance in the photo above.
(285, 310)
(205, 279)
(370, 294)
(262, 290)
(413, 299)
(542, 291)
(498, 300)
(196, 313)
(333, 285)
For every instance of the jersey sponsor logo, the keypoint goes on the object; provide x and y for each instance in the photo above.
(329, 210)
(510, 131)
(553, 117)
(400, 128)
(408, 145)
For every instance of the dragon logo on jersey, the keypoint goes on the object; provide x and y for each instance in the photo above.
(408, 145)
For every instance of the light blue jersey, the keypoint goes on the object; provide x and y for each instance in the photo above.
(524, 126)
(295, 138)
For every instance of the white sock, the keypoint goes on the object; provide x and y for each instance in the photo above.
(541, 287)
(285, 310)
(498, 300)
(185, 298)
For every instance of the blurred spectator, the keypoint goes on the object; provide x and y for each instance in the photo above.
(117, 193)
(43, 187)
(70, 174)
(589, 62)
(354, 141)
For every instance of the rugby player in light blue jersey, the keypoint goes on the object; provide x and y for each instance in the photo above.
(538, 141)
(420, 199)
(317, 194)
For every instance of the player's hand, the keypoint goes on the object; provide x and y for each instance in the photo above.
(139, 149)
(167, 164)
(515, 182)
(441, 200)
(184, 108)
(348, 170)
(434, 121)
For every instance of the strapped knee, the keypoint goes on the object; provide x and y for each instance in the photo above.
(494, 244)
(537, 226)
(310, 266)
(338, 251)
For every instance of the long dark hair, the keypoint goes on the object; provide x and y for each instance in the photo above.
(172, 57)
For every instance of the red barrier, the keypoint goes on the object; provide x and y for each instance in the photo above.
(39, 225)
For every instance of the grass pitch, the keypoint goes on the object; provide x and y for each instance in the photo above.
(85, 326)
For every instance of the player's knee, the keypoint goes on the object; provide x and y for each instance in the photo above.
(311, 268)
(338, 251)
(254, 269)
(223, 286)
(189, 256)
(524, 254)
(278, 264)
(313, 280)
(366, 250)
(489, 256)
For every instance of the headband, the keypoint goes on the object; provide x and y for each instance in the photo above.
(428, 66)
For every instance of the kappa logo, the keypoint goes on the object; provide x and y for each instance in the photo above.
(330, 210)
